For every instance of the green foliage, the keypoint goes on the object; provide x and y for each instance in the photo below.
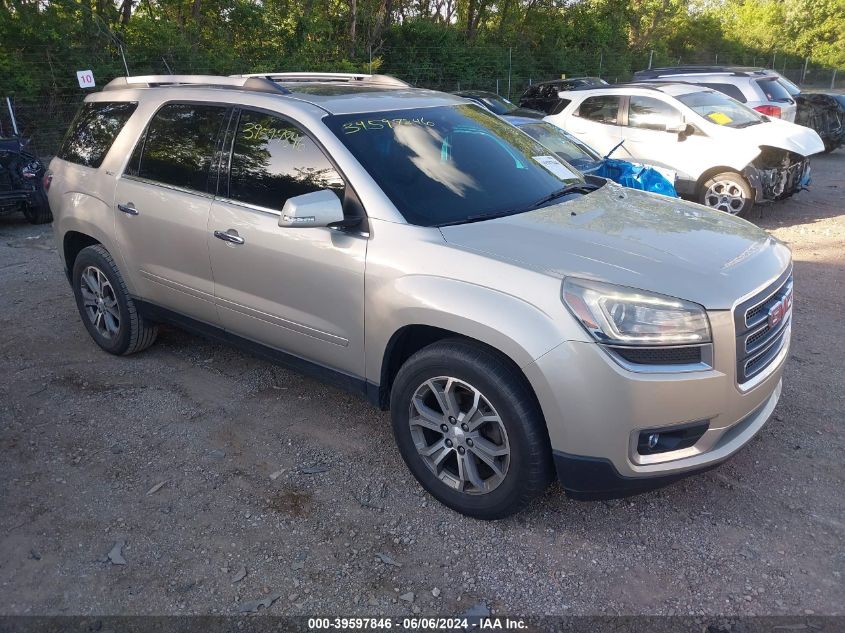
(437, 43)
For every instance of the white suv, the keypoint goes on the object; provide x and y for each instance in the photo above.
(725, 155)
(763, 90)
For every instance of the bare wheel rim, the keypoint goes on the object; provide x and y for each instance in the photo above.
(459, 435)
(99, 302)
(725, 195)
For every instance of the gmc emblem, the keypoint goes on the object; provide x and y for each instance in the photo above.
(778, 312)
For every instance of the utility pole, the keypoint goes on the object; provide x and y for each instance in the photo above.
(510, 68)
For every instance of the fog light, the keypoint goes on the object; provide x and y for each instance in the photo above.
(670, 438)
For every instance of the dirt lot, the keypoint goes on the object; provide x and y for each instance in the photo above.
(86, 437)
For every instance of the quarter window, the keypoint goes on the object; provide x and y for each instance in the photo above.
(273, 160)
(93, 131)
(178, 146)
(652, 114)
(603, 109)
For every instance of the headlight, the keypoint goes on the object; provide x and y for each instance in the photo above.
(624, 316)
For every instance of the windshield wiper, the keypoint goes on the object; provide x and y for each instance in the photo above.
(481, 217)
(747, 124)
(581, 187)
(563, 191)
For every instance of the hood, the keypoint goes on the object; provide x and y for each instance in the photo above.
(635, 239)
(782, 134)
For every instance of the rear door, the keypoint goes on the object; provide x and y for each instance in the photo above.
(300, 290)
(597, 122)
(163, 200)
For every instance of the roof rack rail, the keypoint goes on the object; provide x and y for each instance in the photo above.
(254, 84)
(740, 71)
(379, 80)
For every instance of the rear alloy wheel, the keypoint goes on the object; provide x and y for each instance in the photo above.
(470, 429)
(107, 309)
(728, 192)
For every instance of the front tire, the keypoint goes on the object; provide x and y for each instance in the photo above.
(728, 192)
(107, 310)
(470, 430)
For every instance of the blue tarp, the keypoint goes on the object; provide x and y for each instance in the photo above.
(634, 176)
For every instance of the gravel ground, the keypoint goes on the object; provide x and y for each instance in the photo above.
(229, 480)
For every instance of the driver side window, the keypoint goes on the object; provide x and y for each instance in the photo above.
(273, 160)
(652, 114)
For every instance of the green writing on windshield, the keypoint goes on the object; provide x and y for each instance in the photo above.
(371, 125)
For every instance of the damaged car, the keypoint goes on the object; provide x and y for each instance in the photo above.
(22, 182)
(726, 155)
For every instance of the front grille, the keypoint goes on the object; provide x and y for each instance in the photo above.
(760, 335)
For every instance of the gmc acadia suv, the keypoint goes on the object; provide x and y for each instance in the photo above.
(518, 319)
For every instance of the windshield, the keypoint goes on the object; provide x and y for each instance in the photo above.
(497, 104)
(450, 163)
(564, 146)
(719, 109)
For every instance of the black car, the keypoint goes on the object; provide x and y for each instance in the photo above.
(498, 104)
(544, 95)
(825, 114)
(22, 182)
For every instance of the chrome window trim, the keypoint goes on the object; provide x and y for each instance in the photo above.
(156, 183)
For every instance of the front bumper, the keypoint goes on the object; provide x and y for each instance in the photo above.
(595, 410)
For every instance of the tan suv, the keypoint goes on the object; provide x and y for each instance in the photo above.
(518, 319)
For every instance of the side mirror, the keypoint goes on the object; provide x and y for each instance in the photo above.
(683, 130)
(318, 208)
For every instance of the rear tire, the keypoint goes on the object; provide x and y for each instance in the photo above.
(107, 310)
(728, 192)
(487, 454)
(38, 212)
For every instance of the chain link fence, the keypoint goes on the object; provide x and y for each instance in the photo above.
(505, 71)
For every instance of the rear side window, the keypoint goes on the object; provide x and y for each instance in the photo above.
(178, 145)
(603, 109)
(728, 89)
(773, 90)
(273, 160)
(93, 131)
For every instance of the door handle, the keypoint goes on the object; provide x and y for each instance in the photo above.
(226, 236)
(128, 208)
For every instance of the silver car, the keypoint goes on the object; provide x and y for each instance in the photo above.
(520, 321)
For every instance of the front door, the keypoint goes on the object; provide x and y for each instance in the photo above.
(300, 290)
(162, 203)
(648, 141)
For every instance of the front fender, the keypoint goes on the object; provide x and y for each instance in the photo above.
(515, 327)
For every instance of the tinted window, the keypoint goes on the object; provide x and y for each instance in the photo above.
(652, 114)
(273, 160)
(773, 90)
(729, 89)
(448, 164)
(600, 109)
(178, 145)
(93, 131)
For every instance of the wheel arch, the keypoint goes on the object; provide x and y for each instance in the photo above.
(72, 244)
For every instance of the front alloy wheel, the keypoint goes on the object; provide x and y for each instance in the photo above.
(470, 429)
(459, 435)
